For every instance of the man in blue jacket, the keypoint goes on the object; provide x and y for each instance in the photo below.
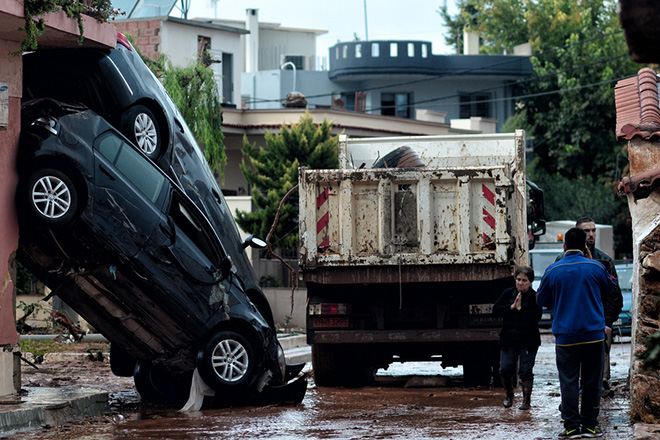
(576, 288)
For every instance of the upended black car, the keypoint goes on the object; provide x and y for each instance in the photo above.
(123, 244)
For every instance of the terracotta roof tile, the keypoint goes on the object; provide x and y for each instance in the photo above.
(637, 106)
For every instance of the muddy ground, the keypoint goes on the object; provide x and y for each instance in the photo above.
(409, 401)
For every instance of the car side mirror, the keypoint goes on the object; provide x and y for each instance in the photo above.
(255, 242)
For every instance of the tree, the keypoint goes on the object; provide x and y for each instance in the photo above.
(579, 54)
(273, 171)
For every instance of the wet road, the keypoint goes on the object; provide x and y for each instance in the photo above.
(428, 406)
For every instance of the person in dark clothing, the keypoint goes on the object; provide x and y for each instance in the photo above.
(520, 337)
(576, 288)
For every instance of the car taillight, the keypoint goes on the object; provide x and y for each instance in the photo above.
(330, 309)
(123, 40)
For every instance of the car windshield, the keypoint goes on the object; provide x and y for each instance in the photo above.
(625, 277)
(540, 262)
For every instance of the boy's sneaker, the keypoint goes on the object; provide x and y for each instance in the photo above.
(592, 432)
(570, 433)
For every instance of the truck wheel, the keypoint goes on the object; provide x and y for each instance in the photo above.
(339, 365)
(477, 373)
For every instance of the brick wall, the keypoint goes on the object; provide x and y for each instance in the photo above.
(146, 35)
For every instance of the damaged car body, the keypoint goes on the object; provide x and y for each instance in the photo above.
(125, 246)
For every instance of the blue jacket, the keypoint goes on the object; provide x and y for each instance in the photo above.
(575, 288)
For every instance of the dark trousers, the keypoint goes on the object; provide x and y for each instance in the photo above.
(509, 357)
(574, 363)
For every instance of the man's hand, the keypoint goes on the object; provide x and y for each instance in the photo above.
(587, 253)
(608, 331)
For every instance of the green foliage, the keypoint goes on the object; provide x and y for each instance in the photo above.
(195, 93)
(273, 171)
(34, 11)
(568, 105)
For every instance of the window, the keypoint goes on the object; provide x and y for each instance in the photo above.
(395, 104)
(358, 51)
(344, 51)
(425, 50)
(375, 50)
(411, 50)
(297, 60)
(142, 173)
(349, 101)
(394, 50)
(475, 104)
(203, 47)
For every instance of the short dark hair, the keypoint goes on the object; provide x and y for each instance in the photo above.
(576, 238)
(525, 270)
(581, 220)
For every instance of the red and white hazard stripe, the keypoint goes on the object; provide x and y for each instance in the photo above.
(323, 217)
(488, 211)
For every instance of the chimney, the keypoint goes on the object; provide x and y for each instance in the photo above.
(252, 40)
(470, 43)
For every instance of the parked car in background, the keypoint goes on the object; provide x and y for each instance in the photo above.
(539, 259)
(623, 325)
(122, 243)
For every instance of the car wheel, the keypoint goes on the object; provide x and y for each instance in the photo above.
(158, 387)
(51, 197)
(228, 362)
(122, 364)
(141, 126)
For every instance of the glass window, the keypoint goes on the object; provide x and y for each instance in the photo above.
(344, 52)
(358, 51)
(411, 50)
(395, 104)
(394, 50)
(475, 104)
(425, 50)
(142, 173)
(375, 50)
(109, 146)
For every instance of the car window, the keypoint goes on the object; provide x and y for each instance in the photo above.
(191, 222)
(132, 164)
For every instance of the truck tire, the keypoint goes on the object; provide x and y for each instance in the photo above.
(341, 365)
(477, 373)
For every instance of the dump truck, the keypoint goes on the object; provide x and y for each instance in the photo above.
(405, 248)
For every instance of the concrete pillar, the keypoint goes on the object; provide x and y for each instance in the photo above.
(252, 40)
(11, 75)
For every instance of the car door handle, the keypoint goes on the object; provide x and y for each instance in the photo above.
(166, 230)
(106, 172)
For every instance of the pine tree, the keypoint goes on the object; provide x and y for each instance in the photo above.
(272, 171)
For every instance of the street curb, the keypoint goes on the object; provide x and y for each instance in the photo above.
(49, 407)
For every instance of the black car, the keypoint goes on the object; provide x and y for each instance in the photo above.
(117, 85)
(124, 245)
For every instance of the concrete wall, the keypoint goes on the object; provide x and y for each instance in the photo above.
(11, 73)
(280, 302)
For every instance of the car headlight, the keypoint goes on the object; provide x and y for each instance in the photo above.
(281, 361)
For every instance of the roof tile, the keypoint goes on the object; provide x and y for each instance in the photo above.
(637, 106)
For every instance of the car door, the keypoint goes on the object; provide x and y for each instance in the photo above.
(128, 194)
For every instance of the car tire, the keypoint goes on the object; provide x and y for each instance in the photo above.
(158, 387)
(141, 127)
(50, 197)
(228, 362)
(122, 364)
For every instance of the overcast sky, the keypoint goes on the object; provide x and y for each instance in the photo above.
(343, 19)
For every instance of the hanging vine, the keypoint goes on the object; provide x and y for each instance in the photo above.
(34, 11)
